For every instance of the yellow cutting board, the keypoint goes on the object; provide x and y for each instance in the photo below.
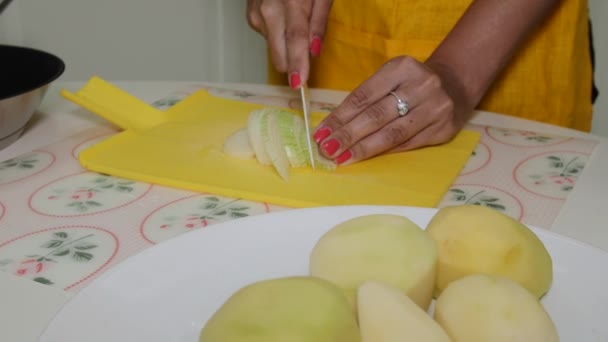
(181, 147)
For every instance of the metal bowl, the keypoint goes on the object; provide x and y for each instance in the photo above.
(25, 76)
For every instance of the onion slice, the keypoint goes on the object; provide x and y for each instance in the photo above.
(276, 137)
(237, 145)
(271, 137)
(255, 136)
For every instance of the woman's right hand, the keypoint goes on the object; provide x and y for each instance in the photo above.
(293, 29)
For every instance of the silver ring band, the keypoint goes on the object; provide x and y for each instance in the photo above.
(402, 106)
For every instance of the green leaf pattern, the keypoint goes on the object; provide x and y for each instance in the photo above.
(563, 172)
(211, 209)
(167, 102)
(43, 280)
(477, 198)
(526, 135)
(27, 161)
(22, 163)
(61, 248)
(82, 199)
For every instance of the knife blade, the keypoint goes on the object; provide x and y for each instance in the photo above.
(306, 109)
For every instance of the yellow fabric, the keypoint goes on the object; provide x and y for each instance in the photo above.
(549, 79)
(184, 151)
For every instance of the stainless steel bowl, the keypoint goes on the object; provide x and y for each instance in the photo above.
(25, 75)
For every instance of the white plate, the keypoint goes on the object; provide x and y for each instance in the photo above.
(167, 292)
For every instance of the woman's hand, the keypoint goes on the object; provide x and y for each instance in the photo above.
(441, 93)
(293, 29)
(367, 122)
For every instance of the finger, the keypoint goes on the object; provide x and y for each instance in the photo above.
(254, 18)
(390, 76)
(273, 15)
(433, 135)
(371, 119)
(318, 24)
(394, 134)
(297, 38)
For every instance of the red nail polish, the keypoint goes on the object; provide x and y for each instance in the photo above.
(321, 134)
(315, 46)
(344, 156)
(330, 147)
(294, 80)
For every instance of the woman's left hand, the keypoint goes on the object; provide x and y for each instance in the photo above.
(367, 123)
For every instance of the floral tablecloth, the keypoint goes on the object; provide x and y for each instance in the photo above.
(62, 226)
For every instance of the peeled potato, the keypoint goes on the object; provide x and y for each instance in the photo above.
(295, 309)
(483, 308)
(388, 315)
(476, 239)
(387, 248)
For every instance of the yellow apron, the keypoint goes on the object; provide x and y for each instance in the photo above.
(548, 80)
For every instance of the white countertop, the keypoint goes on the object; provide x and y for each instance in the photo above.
(28, 306)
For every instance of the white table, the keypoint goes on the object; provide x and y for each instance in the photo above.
(27, 306)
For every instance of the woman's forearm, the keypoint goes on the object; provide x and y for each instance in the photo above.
(483, 41)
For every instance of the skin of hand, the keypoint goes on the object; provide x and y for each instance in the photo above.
(293, 29)
(441, 92)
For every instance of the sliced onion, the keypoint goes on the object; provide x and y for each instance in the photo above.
(273, 145)
(291, 128)
(276, 137)
(321, 162)
(255, 136)
(237, 145)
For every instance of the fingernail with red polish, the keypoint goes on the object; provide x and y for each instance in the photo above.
(330, 147)
(315, 46)
(294, 80)
(321, 134)
(344, 156)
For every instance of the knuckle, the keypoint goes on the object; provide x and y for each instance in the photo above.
(396, 135)
(268, 10)
(406, 62)
(433, 81)
(254, 21)
(334, 121)
(447, 105)
(360, 152)
(359, 98)
(296, 33)
(375, 115)
(441, 136)
(279, 62)
(298, 4)
(346, 137)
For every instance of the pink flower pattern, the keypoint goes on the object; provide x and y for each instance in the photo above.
(82, 199)
(211, 209)
(562, 172)
(60, 247)
(86, 195)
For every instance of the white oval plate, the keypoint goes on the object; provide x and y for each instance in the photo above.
(167, 292)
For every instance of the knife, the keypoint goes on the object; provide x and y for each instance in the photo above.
(306, 108)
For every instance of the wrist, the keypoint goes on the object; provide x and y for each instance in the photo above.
(464, 97)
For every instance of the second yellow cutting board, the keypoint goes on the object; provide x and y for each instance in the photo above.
(181, 147)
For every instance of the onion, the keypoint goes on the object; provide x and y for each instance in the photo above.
(275, 137)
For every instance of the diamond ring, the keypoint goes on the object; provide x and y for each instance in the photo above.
(402, 106)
